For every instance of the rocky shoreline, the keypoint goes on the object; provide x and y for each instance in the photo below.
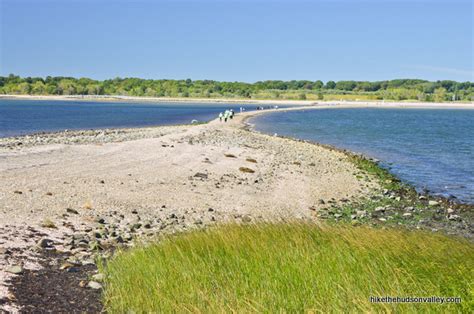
(397, 205)
(69, 199)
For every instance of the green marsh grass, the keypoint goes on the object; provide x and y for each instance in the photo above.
(290, 267)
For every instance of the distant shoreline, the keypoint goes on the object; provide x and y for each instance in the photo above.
(329, 104)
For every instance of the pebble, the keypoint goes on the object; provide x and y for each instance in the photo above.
(201, 175)
(44, 243)
(4, 251)
(246, 218)
(454, 217)
(94, 285)
(135, 226)
(72, 211)
(66, 265)
(407, 215)
(433, 203)
(88, 262)
(15, 269)
(98, 277)
(450, 211)
(73, 260)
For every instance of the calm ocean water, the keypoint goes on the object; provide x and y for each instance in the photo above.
(430, 149)
(18, 117)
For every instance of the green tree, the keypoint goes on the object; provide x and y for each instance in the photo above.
(330, 85)
(439, 94)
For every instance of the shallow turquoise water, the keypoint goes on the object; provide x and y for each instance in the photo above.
(19, 117)
(432, 149)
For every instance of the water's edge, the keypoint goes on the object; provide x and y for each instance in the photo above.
(251, 127)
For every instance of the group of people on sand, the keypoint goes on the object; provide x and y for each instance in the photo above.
(228, 114)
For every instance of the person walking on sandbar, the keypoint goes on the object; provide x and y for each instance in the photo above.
(225, 116)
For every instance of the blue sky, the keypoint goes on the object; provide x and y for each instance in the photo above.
(238, 40)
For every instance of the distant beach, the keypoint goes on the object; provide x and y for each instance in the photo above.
(388, 104)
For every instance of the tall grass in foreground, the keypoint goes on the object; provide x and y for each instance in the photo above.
(291, 267)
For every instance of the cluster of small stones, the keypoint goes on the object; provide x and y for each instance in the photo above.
(84, 137)
(287, 154)
(425, 213)
(98, 239)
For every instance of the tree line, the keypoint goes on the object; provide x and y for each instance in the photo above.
(399, 89)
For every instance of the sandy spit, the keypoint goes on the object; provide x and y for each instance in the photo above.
(174, 177)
